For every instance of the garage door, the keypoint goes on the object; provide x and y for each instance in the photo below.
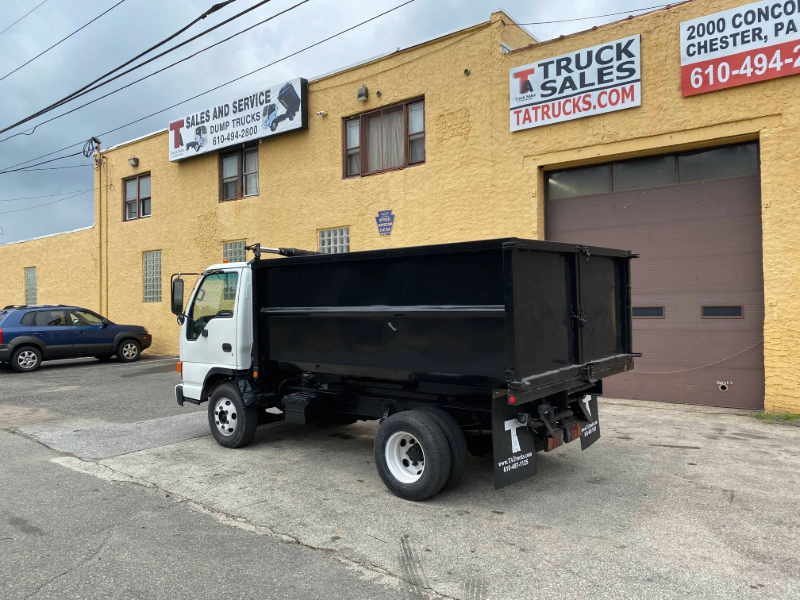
(698, 298)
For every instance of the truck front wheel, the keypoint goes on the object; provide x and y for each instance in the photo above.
(232, 423)
(412, 455)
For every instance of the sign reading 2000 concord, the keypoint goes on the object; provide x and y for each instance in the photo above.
(588, 82)
(738, 46)
(263, 113)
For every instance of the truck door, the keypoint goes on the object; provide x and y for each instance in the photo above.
(209, 334)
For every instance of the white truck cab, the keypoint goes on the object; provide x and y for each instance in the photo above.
(216, 332)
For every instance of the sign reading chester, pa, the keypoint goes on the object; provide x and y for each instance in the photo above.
(588, 82)
(741, 45)
(265, 112)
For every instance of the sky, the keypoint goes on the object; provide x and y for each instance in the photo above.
(135, 25)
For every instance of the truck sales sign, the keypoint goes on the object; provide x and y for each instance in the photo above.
(742, 45)
(261, 114)
(588, 82)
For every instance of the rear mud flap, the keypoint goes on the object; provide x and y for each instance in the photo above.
(513, 444)
(590, 427)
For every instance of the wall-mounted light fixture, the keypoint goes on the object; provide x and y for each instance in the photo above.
(321, 113)
(134, 162)
(363, 93)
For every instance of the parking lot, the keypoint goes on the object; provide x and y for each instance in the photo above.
(107, 480)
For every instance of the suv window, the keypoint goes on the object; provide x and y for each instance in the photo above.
(51, 317)
(83, 318)
(215, 299)
(27, 319)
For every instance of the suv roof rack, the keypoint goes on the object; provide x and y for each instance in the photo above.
(24, 306)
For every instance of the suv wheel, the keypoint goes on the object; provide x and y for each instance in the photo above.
(26, 359)
(128, 351)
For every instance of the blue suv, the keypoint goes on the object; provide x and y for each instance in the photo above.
(31, 334)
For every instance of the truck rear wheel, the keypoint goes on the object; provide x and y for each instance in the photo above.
(232, 423)
(412, 455)
(456, 441)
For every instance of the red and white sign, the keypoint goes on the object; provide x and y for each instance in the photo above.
(588, 82)
(741, 45)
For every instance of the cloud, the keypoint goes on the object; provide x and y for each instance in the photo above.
(137, 24)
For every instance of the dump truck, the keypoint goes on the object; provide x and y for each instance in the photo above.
(496, 348)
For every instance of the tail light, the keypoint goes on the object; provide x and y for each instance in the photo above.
(179, 367)
(1, 336)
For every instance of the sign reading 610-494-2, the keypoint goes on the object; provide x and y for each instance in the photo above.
(741, 45)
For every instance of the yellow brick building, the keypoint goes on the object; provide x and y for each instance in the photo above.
(478, 180)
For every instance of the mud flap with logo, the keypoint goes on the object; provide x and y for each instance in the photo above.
(513, 445)
(590, 427)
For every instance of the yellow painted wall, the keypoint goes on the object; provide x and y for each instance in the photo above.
(479, 181)
(66, 269)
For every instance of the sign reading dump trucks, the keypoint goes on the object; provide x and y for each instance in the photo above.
(496, 347)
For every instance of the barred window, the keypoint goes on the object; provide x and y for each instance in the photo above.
(30, 285)
(152, 276)
(234, 252)
(334, 241)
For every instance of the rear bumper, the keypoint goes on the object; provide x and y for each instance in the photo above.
(146, 341)
(5, 352)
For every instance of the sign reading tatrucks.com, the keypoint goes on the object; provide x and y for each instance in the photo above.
(263, 113)
(742, 45)
(588, 82)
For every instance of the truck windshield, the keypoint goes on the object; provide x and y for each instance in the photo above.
(215, 299)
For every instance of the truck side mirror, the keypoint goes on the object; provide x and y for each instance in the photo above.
(177, 297)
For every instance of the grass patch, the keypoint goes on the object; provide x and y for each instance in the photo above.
(776, 418)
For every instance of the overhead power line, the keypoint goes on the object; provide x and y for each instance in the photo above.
(90, 87)
(62, 40)
(52, 168)
(22, 17)
(227, 82)
(127, 85)
(624, 12)
(45, 196)
(45, 203)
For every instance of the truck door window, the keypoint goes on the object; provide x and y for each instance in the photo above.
(215, 299)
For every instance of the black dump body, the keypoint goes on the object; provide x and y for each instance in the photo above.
(446, 321)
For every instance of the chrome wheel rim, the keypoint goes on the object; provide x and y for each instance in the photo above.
(27, 359)
(129, 350)
(226, 417)
(405, 458)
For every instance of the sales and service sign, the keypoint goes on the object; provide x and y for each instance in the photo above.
(265, 112)
(738, 46)
(588, 82)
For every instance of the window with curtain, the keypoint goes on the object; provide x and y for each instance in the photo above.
(386, 139)
(238, 174)
(137, 197)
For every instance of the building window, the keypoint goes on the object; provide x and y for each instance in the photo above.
(239, 174)
(334, 241)
(722, 312)
(740, 160)
(384, 140)
(648, 312)
(152, 276)
(30, 285)
(234, 252)
(137, 197)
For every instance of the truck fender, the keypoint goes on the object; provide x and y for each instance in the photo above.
(215, 377)
(27, 340)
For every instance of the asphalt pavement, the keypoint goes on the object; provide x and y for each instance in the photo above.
(106, 497)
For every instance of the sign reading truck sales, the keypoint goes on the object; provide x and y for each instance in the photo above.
(588, 82)
(742, 45)
(263, 113)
